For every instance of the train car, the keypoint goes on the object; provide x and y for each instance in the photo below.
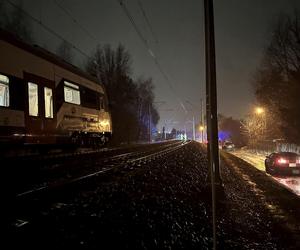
(45, 100)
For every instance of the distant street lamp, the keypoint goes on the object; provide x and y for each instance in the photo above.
(262, 117)
(201, 128)
(259, 110)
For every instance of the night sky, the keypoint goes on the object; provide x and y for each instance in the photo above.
(242, 28)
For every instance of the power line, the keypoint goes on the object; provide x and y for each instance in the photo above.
(74, 20)
(147, 20)
(150, 51)
(135, 27)
(139, 33)
(48, 29)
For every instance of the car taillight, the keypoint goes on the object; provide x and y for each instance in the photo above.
(282, 161)
(298, 160)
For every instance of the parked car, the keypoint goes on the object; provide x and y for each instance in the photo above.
(282, 163)
(228, 146)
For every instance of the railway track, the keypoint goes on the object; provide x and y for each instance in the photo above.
(66, 173)
(155, 200)
(26, 204)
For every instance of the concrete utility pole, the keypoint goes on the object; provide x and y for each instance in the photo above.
(211, 102)
(211, 91)
(150, 132)
(194, 135)
(202, 122)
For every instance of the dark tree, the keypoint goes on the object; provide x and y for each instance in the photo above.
(277, 81)
(173, 133)
(64, 51)
(131, 103)
(16, 22)
(2, 14)
(232, 129)
(147, 112)
(108, 65)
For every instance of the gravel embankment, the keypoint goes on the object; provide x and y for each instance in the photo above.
(164, 204)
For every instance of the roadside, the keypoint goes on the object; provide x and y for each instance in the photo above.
(257, 160)
(274, 199)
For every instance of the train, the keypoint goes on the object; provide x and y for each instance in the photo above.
(46, 100)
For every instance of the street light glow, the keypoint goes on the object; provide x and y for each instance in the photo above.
(259, 110)
(201, 128)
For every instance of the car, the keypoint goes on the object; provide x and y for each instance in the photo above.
(282, 163)
(228, 146)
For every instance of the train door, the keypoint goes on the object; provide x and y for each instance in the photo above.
(39, 112)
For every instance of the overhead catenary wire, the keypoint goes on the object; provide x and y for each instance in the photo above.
(48, 29)
(151, 53)
(147, 20)
(59, 5)
(137, 30)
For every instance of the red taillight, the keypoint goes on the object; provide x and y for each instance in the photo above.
(282, 161)
(298, 161)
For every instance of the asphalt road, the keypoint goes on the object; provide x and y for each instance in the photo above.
(292, 183)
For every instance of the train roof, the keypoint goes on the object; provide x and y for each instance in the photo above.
(45, 54)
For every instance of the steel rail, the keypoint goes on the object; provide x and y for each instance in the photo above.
(169, 148)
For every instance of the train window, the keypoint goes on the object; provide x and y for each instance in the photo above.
(71, 93)
(33, 99)
(48, 97)
(4, 91)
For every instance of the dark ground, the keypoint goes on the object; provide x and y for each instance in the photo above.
(164, 204)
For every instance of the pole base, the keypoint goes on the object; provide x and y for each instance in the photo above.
(219, 187)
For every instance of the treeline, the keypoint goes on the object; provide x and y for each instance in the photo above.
(277, 80)
(230, 129)
(131, 102)
(14, 21)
